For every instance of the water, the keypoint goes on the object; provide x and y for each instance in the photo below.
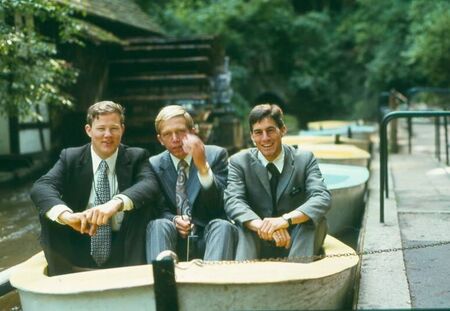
(19, 226)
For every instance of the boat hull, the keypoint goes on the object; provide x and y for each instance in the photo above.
(347, 185)
(323, 284)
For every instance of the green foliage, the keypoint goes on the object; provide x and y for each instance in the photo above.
(30, 72)
(326, 61)
(430, 41)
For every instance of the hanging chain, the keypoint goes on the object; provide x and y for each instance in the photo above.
(200, 262)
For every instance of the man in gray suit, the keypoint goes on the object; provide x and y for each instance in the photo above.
(276, 194)
(193, 178)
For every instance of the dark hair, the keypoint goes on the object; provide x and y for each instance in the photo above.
(105, 107)
(263, 111)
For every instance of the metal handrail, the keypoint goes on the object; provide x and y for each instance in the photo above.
(384, 187)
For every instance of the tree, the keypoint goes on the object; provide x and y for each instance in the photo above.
(30, 72)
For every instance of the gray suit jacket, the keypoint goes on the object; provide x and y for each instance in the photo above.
(301, 187)
(207, 204)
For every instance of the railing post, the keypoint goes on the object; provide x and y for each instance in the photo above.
(383, 146)
(437, 138)
(446, 140)
(409, 121)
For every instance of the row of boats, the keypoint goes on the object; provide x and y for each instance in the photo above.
(326, 283)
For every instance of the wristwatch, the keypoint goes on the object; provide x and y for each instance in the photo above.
(287, 218)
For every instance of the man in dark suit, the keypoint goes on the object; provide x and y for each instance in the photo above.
(275, 194)
(192, 177)
(94, 203)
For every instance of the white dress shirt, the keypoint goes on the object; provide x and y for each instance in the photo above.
(278, 162)
(205, 181)
(116, 220)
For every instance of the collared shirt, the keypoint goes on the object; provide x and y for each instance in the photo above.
(116, 220)
(205, 181)
(278, 162)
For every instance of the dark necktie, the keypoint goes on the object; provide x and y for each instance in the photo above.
(183, 207)
(101, 241)
(273, 185)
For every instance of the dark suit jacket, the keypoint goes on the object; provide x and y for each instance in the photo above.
(301, 187)
(69, 182)
(207, 204)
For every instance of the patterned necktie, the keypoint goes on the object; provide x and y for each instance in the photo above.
(101, 241)
(183, 207)
(273, 185)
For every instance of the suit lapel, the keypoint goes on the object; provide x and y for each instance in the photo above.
(123, 169)
(287, 173)
(168, 176)
(85, 177)
(260, 170)
(193, 186)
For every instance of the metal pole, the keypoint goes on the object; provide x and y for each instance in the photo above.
(409, 120)
(437, 138)
(383, 146)
(446, 140)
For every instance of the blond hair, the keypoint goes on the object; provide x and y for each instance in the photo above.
(170, 112)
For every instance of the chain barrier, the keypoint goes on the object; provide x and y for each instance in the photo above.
(305, 259)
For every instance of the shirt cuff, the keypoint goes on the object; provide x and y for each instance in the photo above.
(57, 210)
(206, 181)
(127, 203)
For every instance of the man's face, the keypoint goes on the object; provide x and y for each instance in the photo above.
(171, 134)
(106, 133)
(267, 137)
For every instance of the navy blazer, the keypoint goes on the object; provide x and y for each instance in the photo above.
(69, 182)
(207, 204)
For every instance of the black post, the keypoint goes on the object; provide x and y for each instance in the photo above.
(409, 120)
(383, 146)
(165, 286)
(437, 138)
(446, 140)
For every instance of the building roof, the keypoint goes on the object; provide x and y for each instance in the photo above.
(121, 11)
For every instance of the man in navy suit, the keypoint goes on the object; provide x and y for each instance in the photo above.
(276, 194)
(67, 198)
(192, 177)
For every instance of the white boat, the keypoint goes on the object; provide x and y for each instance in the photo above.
(322, 284)
(347, 185)
(353, 130)
(329, 124)
(339, 154)
(300, 140)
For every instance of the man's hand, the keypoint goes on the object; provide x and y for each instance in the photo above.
(194, 145)
(78, 222)
(100, 214)
(270, 225)
(183, 225)
(282, 238)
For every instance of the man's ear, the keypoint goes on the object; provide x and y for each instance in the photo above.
(88, 129)
(160, 140)
(283, 130)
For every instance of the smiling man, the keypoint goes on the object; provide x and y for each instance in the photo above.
(276, 194)
(94, 203)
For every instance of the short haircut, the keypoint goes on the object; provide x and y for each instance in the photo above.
(260, 112)
(104, 107)
(170, 112)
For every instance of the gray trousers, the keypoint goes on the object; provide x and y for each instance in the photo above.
(306, 240)
(218, 239)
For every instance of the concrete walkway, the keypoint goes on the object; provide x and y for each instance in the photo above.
(417, 213)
